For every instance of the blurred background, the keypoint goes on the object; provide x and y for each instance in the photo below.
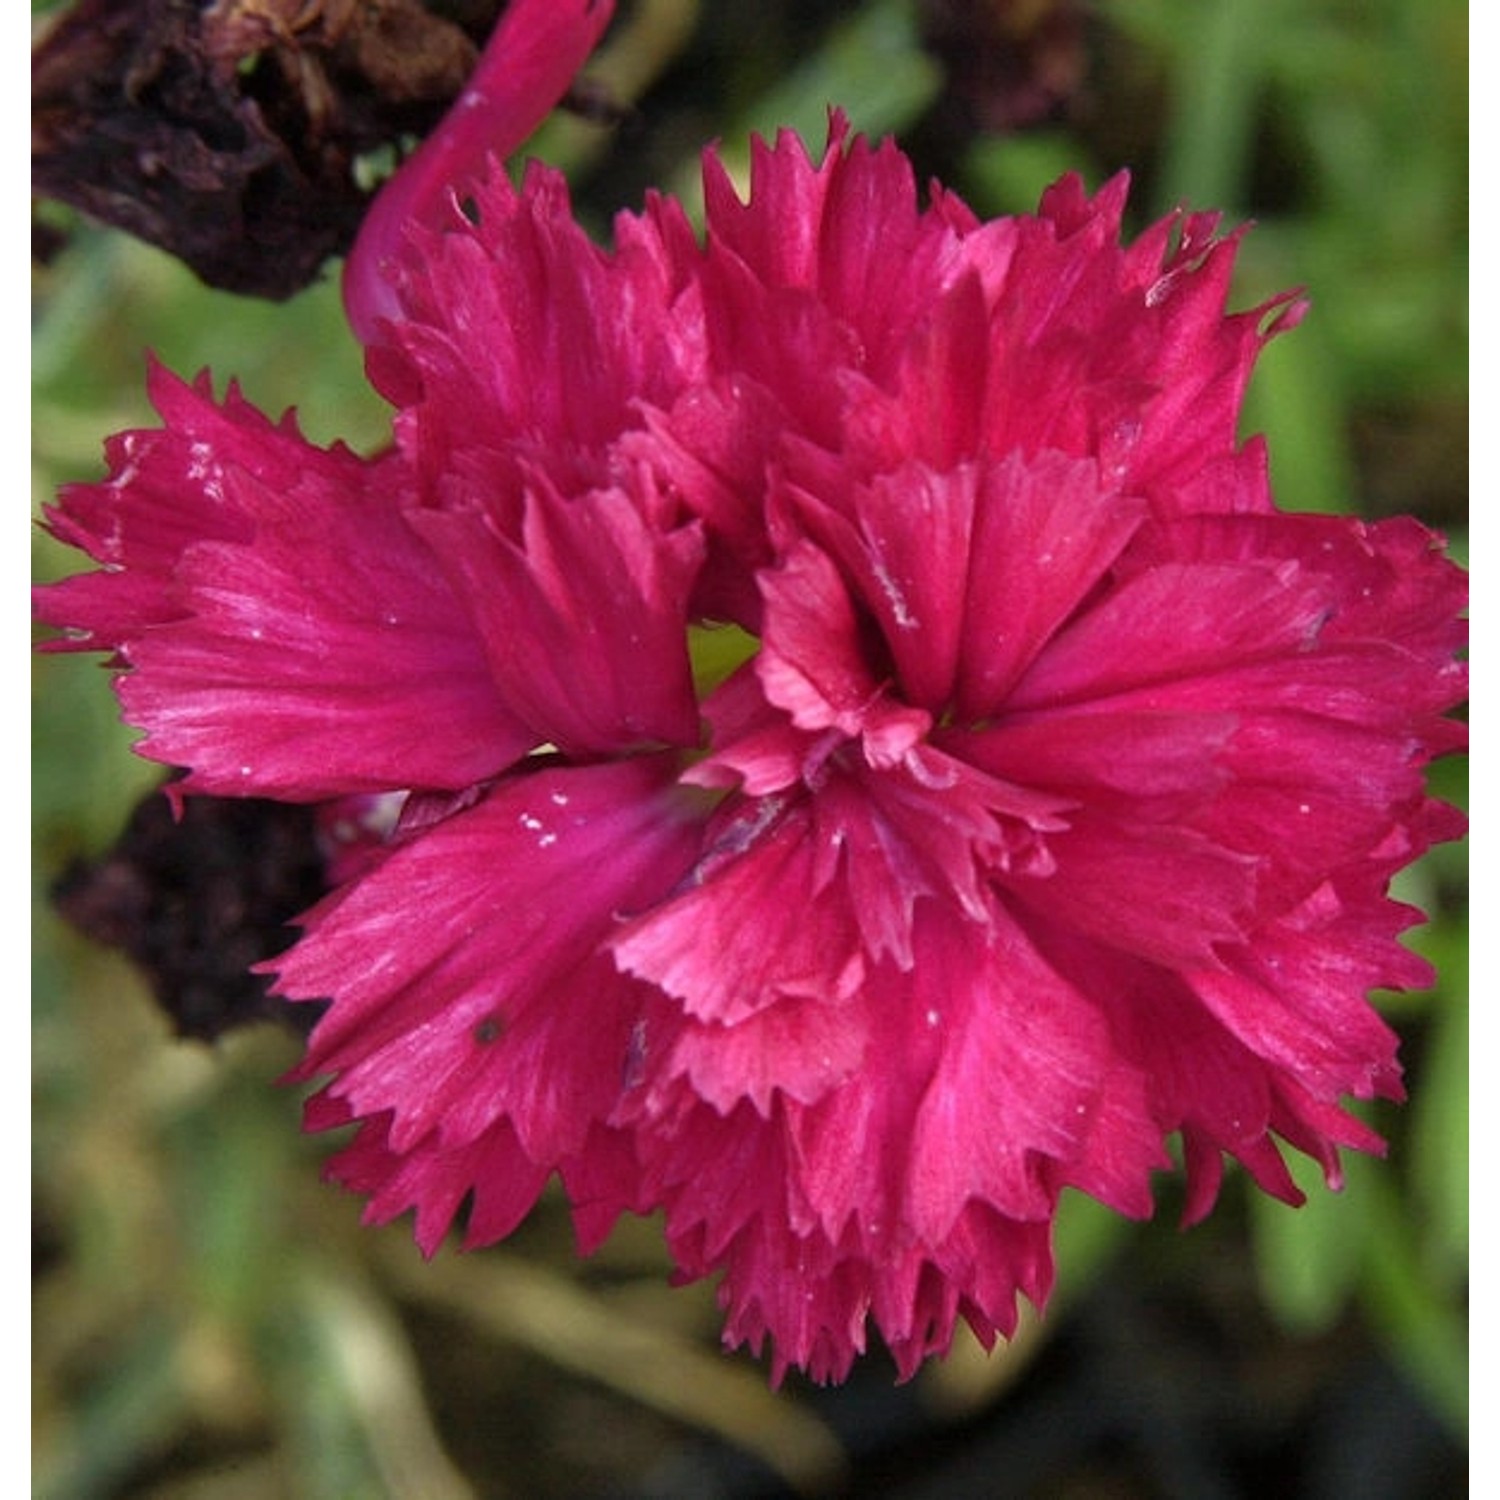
(210, 1322)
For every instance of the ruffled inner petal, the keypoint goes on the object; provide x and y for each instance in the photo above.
(582, 616)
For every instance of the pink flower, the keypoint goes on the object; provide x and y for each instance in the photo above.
(874, 754)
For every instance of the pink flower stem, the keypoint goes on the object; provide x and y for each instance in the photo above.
(526, 67)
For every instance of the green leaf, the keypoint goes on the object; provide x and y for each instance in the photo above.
(1007, 174)
(1439, 1112)
(1218, 72)
(1296, 398)
(131, 1407)
(1308, 1259)
(871, 66)
(1424, 1327)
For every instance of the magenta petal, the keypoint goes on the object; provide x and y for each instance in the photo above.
(288, 635)
(1018, 1044)
(1179, 620)
(1311, 798)
(1126, 760)
(845, 230)
(1044, 533)
(166, 491)
(937, 1214)
(757, 748)
(813, 1238)
(812, 665)
(1125, 354)
(524, 343)
(1155, 890)
(500, 1181)
(1298, 998)
(811, 662)
(1200, 1076)
(712, 446)
(314, 659)
(969, 573)
(908, 545)
(756, 923)
(583, 618)
(880, 832)
(800, 1047)
(468, 972)
(938, 828)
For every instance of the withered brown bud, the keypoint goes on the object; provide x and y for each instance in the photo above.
(228, 134)
(1010, 64)
(195, 901)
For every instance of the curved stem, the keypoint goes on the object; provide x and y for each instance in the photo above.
(527, 64)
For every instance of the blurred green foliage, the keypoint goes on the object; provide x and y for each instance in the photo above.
(212, 1322)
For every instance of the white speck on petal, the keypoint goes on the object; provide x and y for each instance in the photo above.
(905, 619)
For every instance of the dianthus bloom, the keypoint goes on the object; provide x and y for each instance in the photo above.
(874, 755)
